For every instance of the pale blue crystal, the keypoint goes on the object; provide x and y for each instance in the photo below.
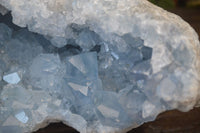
(21, 116)
(12, 78)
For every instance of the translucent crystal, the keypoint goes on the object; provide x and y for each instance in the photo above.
(12, 78)
(82, 89)
(5, 33)
(10, 129)
(23, 47)
(82, 66)
(87, 39)
(108, 112)
(22, 117)
(46, 71)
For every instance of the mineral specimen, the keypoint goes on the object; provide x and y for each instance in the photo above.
(100, 66)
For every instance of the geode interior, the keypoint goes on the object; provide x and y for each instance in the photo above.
(92, 79)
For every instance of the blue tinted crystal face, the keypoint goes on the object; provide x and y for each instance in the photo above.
(90, 78)
(46, 72)
(5, 34)
(83, 64)
(10, 129)
(87, 39)
(12, 78)
(133, 41)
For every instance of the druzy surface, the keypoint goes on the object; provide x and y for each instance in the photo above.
(98, 66)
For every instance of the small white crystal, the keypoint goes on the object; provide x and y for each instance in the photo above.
(82, 89)
(108, 112)
(12, 78)
(22, 117)
(57, 102)
(147, 109)
(115, 55)
(78, 63)
(167, 90)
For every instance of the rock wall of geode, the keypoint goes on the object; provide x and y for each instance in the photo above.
(98, 66)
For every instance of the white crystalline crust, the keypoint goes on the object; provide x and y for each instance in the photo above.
(172, 83)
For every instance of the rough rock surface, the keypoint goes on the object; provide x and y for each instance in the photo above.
(98, 66)
(3, 10)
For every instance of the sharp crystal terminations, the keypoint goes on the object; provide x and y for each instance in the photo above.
(98, 66)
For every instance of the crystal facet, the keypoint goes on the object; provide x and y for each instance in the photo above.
(12, 78)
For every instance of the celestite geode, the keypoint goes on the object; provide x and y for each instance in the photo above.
(100, 66)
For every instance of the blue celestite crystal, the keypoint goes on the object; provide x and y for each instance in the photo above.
(98, 66)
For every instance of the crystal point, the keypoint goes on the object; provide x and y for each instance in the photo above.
(12, 78)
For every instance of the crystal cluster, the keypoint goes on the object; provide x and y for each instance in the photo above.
(98, 66)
